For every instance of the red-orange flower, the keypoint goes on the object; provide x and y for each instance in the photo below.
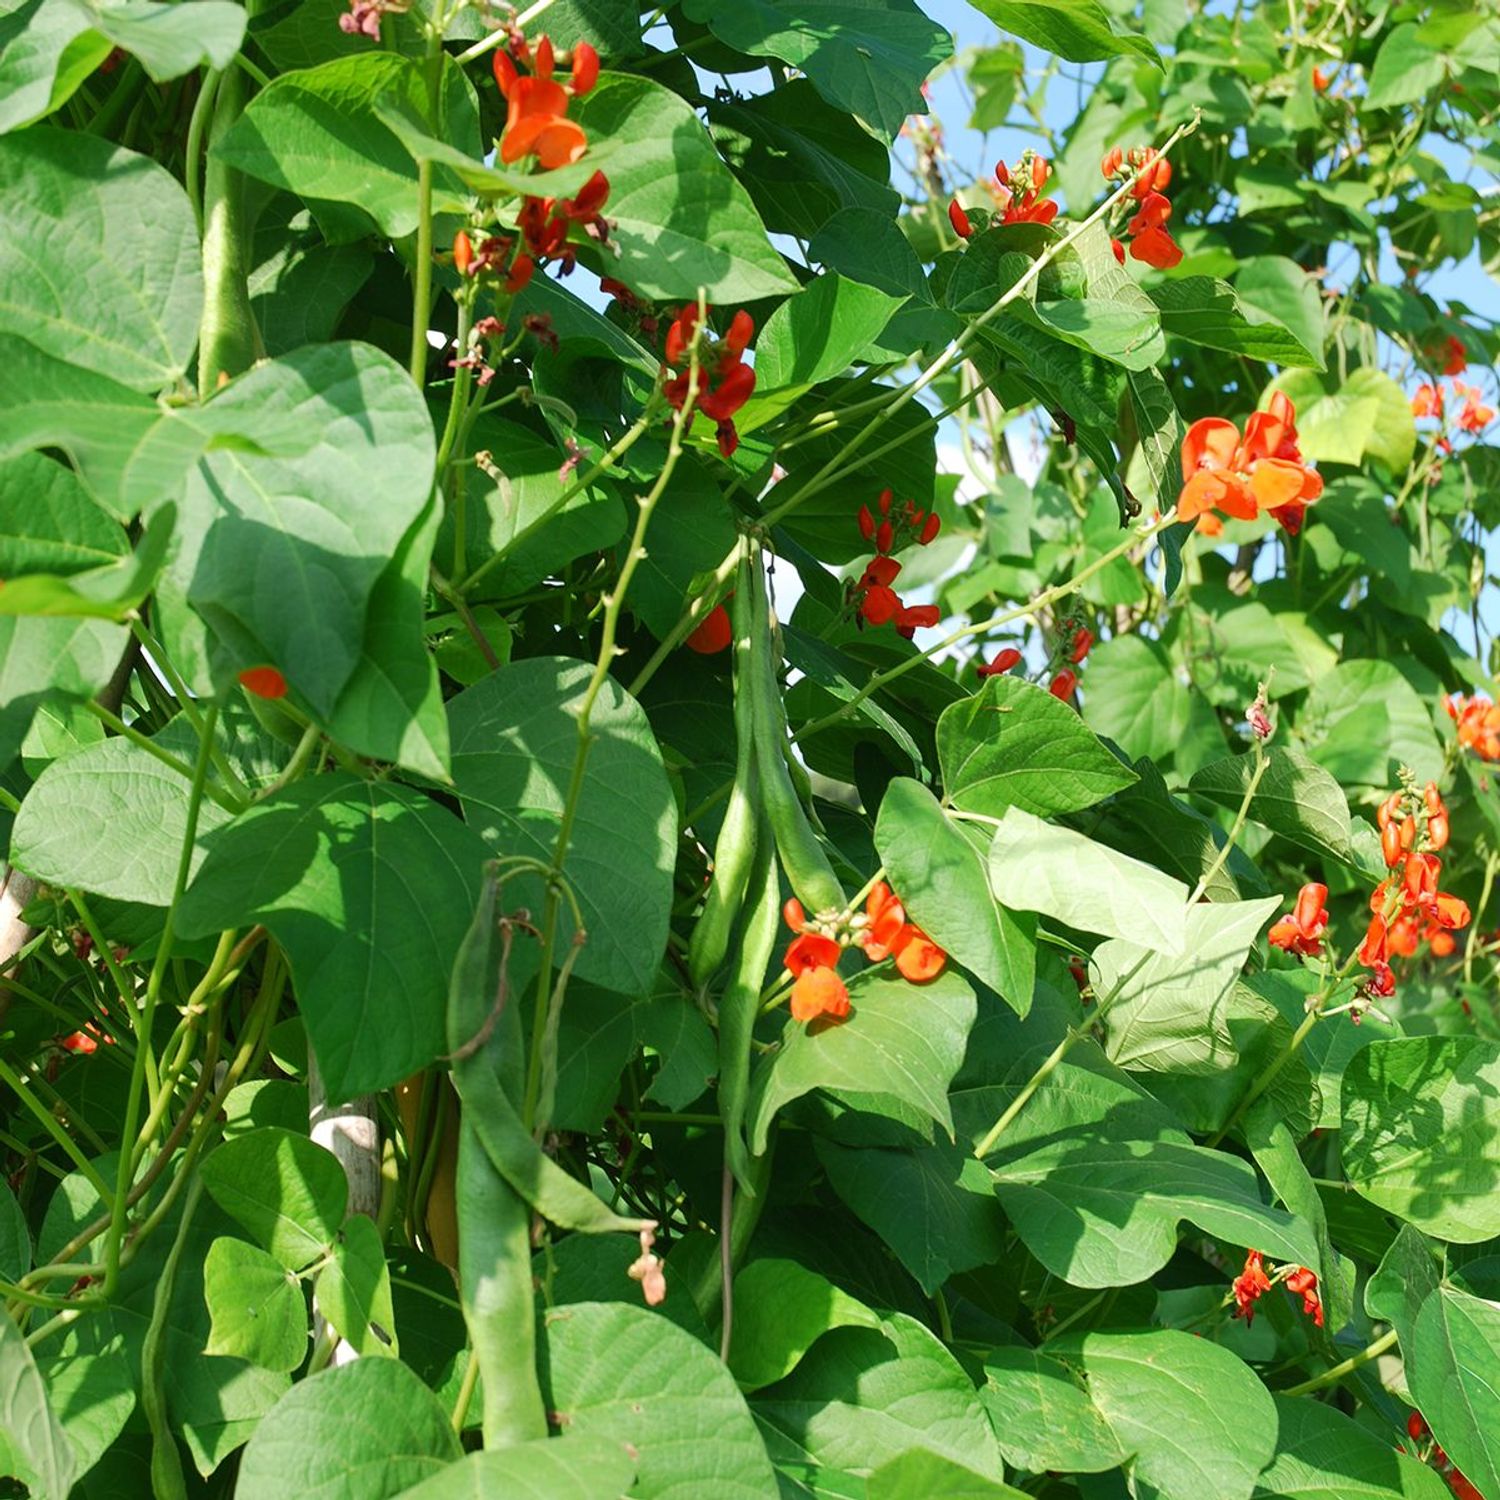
(1474, 415)
(1003, 662)
(1026, 206)
(714, 632)
(1303, 1283)
(725, 382)
(1063, 685)
(819, 992)
(1478, 723)
(1250, 1286)
(536, 123)
(890, 935)
(1083, 641)
(1301, 930)
(264, 682)
(1241, 478)
(1427, 400)
(1455, 356)
(959, 219)
(1319, 79)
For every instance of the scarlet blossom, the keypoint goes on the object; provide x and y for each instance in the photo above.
(1319, 80)
(1026, 206)
(1063, 685)
(1150, 241)
(878, 601)
(1462, 1487)
(1003, 662)
(1083, 640)
(1301, 930)
(1427, 401)
(890, 935)
(1118, 247)
(463, 253)
(1478, 722)
(536, 123)
(1303, 1283)
(264, 682)
(585, 69)
(725, 382)
(545, 222)
(1474, 415)
(819, 992)
(714, 632)
(930, 528)
(1242, 477)
(1455, 356)
(913, 617)
(1250, 1286)
(1416, 1426)
(83, 1042)
(959, 219)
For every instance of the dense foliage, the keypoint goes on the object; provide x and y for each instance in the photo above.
(700, 802)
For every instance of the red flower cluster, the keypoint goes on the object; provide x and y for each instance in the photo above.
(1301, 930)
(883, 932)
(1411, 912)
(1253, 1283)
(725, 383)
(1064, 681)
(1473, 415)
(1149, 240)
(897, 527)
(1418, 1430)
(1242, 477)
(537, 126)
(1449, 352)
(1478, 723)
(1017, 195)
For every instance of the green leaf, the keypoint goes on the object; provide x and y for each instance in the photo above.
(816, 335)
(111, 819)
(1168, 1012)
(1354, 511)
(1134, 698)
(781, 1309)
(109, 592)
(933, 1205)
(678, 216)
(317, 132)
(1104, 1212)
(99, 423)
(1014, 745)
(93, 1396)
(802, 160)
(866, 57)
(1296, 798)
(934, 1478)
(1321, 1452)
(50, 525)
(130, 304)
(1364, 719)
(563, 1468)
(1393, 439)
(1043, 1417)
(289, 1193)
(354, 1290)
(1401, 1284)
(1421, 1133)
(622, 1374)
(1453, 1373)
(902, 1040)
(691, 531)
(363, 1431)
(1209, 312)
(33, 1445)
(15, 1238)
(339, 870)
(1079, 30)
(1280, 289)
(1407, 68)
(940, 874)
(1196, 1418)
(281, 549)
(866, 245)
(257, 1305)
(48, 48)
(1037, 866)
(1126, 335)
(515, 738)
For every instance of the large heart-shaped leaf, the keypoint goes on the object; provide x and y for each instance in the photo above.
(867, 57)
(1080, 30)
(33, 1445)
(1453, 1371)
(678, 216)
(901, 1040)
(515, 740)
(621, 1373)
(1421, 1132)
(1296, 798)
(1105, 1212)
(121, 225)
(369, 887)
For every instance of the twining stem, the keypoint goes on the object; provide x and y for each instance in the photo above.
(421, 291)
(1336, 1373)
(615, 603)
(115, 1241)
(1262, 761)
(167, 1481)
(495, 38)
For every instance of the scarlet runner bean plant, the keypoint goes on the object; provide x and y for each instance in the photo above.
(748, 750)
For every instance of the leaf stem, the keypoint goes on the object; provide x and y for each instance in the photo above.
(1332, 1376)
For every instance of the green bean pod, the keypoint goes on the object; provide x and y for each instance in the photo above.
(734, 851)
(494, 1268)
(740, 1004)
(804, 859)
